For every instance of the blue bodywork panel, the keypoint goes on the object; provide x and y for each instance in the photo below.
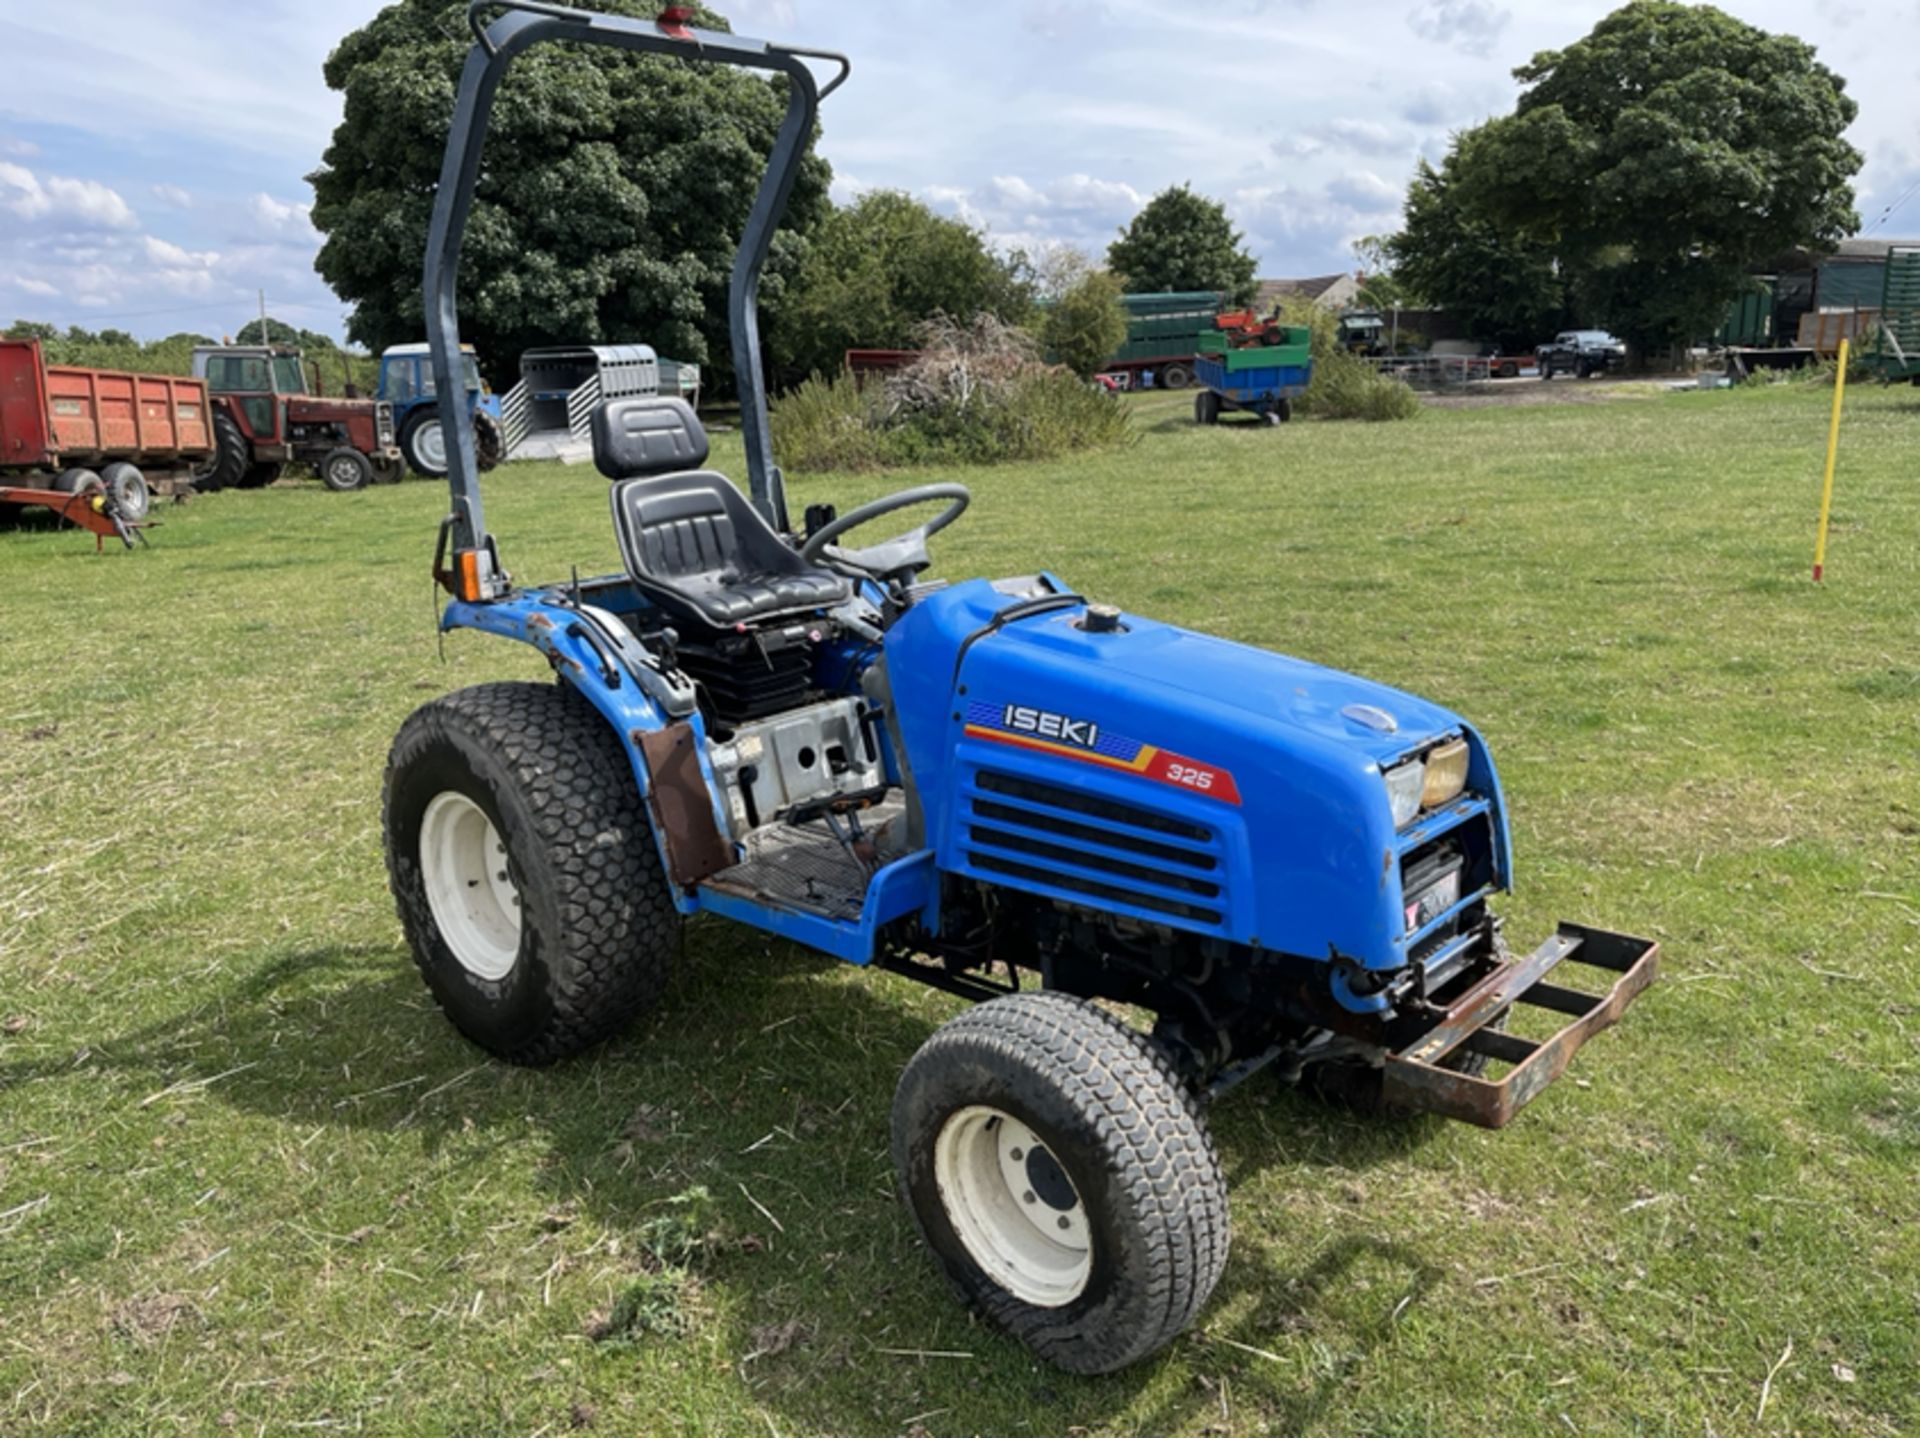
(1151, 772)
(406, 380)
(1260, 385)
(1293, 816)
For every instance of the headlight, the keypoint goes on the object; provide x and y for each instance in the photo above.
(1438, 777)
(1446, 774)
(1405, 784)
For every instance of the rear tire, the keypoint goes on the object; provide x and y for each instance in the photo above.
(1175, 376)
(231, 456)
(489, 444)
(1063, 1177)
(76, 481)
(424, 442)
(259, 476)
(570, 939)
(1206, 407)
(344, 470)
(127, 487)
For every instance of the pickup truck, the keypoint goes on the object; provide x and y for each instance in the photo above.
(1580, 352)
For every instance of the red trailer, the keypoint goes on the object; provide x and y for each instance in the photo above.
(87, 442)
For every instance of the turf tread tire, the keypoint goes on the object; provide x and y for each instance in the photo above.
(1126, 1108)
(597, 948)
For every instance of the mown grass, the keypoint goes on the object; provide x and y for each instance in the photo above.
(250, 1181)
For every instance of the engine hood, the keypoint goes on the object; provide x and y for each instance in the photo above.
(1269, 765)
(1371, 719)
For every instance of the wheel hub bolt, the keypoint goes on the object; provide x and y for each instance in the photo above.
(1065, 1222)
(1028, 1196)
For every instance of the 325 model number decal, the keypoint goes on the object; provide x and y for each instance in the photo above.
(1031, 727)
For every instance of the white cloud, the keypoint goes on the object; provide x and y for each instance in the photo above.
(183, 271)
(25, 149)
(1079, 210)
(846, 188)
(161, 252)
(1469, 26)
(1345, 136)
(173, 195)
(281, 214)
(37, 287)
(62, 200)
(1365, 191)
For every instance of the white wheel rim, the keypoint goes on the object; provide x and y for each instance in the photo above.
(475, 904)
(430, 441)
(1013, 1207)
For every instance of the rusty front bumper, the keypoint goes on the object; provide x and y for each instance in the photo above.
(1417, 1078)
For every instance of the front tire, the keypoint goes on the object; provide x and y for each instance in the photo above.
(525, 871)
(1206, 407)
(1063, 1177)
(344, 470)
(1175, 376)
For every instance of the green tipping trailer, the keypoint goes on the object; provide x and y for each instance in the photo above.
(1163, 334)
(1896, 354)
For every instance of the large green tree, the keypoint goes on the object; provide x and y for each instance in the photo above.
(1183, 241)
(876, 268)
(613, 194)
(1664, 156)
(1503, 285)
(1086, 324)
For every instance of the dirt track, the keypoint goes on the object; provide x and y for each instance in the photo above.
(1529, 390)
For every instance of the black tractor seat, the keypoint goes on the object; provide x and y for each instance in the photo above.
(690, 539)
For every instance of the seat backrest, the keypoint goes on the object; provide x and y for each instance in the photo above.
(682, 532)
(646, 434)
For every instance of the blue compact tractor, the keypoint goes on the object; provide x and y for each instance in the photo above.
(999, 787)
(407, 383)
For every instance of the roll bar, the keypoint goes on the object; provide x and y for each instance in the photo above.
(521, 25)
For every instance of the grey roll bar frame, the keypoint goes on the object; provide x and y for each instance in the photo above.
(526, 23)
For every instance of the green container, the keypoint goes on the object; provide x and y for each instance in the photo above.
(1295, 349)
(1166, 326)
(1896, 355)
(1749, 320)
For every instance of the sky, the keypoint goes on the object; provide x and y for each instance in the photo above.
(153, 157)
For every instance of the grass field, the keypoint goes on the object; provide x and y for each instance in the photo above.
(250, 1181)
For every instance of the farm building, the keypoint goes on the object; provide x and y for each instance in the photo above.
(1786, 300)
(1333, 292)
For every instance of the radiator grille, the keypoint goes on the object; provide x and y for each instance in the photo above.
(1093, 848)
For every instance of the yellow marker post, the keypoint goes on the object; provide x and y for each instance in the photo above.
(1833, 449)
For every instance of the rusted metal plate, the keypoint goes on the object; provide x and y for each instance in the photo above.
(683, 805)
(1414, 1078)
(75, 509)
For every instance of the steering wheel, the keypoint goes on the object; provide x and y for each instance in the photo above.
(904, 554)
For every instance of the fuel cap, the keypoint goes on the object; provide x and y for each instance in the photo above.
(1101, 619)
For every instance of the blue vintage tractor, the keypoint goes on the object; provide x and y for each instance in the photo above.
(407, 383)
(998, 787)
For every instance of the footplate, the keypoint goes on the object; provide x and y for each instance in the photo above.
(1416, 1078)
